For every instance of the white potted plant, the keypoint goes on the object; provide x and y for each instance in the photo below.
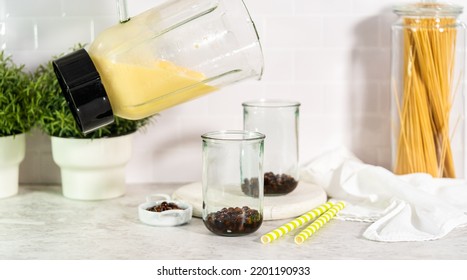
(92, 166)
(16, 118)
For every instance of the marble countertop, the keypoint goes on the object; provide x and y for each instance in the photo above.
(39, 223)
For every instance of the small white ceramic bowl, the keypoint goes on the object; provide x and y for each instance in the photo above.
(164, 218)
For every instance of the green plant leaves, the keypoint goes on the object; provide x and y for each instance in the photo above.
(16, 101)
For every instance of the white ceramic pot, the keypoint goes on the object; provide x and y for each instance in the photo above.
(92, 169)
(12, 152)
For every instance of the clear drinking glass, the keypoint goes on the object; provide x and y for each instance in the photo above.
(232, 161)
(428, 66)
(278, 121)
(167, 55)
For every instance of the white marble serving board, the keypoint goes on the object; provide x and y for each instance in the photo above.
(304, 198)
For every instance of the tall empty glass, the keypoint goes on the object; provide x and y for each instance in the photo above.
(232, 161)
(278, 120)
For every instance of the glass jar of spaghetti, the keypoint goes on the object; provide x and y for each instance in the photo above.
(427, 90)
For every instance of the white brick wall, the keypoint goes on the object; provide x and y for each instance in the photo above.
(331, 55)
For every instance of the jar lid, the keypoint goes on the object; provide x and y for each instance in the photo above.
(428, 8)
(83, 89)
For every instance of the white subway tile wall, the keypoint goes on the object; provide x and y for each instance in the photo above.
(331, 55)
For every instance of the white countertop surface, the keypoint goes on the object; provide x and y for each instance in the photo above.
(39, 223)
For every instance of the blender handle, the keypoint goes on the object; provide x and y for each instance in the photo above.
(122, 11)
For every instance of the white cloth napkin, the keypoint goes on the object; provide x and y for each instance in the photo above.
(411, 207)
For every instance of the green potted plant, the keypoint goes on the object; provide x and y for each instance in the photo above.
(92, 166)
(16, 118)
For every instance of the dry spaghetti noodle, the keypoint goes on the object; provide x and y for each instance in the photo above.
(424, 108)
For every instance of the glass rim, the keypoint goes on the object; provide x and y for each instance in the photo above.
(233, 135)
(259, 72)
(271, 103)
(249, 41)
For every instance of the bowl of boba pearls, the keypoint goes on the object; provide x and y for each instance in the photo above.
(161, 210)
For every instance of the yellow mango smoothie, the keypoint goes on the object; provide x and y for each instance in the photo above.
(137, 91)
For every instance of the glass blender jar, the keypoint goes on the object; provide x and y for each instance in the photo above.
(172, 53)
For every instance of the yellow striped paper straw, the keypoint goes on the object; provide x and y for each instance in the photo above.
(323, 219)
(305, 218)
